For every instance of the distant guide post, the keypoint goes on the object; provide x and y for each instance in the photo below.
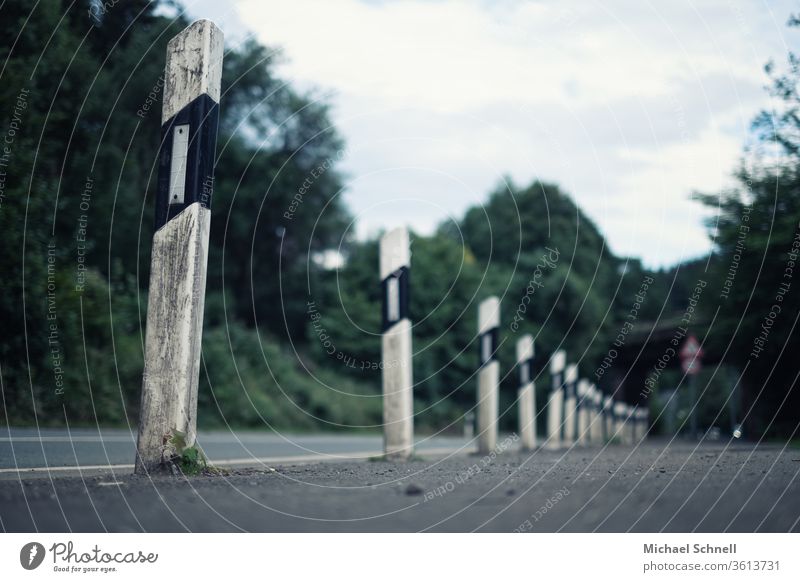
(526, 395)
(636, 419)
(644, 424)
(168, 417)
(570, 403)
(488, 374)
(398, 397)
(608, 418)
(630, 424)
(555, 403)
(596, 421)
(582, 437)
(619, 421)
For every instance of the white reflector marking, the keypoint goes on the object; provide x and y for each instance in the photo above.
(177, 175)
(393, 299)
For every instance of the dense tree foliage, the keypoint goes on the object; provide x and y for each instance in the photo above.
(81, 102)
(756, 234)
(534, 248)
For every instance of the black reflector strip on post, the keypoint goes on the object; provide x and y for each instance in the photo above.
(487, 346)
(394, 289)
(558, 381)
(193, 130)
(525, 372)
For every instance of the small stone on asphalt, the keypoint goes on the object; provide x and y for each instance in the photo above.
(414, 489)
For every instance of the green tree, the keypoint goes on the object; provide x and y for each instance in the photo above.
(756, 237)
(82, 85)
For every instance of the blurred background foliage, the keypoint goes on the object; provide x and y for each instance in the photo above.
(83, 136)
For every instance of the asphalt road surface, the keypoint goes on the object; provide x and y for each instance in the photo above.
(56, 449)
(657, 486)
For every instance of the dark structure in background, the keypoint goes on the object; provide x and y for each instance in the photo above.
(647, 372)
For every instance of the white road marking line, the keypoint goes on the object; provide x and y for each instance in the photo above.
(233, 439)
(251, 461)
(75, 439)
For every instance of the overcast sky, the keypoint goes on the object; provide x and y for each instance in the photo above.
(629, 106)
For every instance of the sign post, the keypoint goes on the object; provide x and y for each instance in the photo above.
(168, 416)
(691, 362)
(489, 374)
(555, 403)
(526, 395)
(398, 396)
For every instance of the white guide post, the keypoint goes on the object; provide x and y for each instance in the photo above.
(526, 395)
(489, 374)
(570, 403)
(636, 422)
(398, 377)
(630, 424)
(555, 403)
(643, 424)
(608, 418)
(168, 415)
(596, 426)
(619, 421)
(583, 412)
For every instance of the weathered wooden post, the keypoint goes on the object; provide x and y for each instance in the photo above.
(570, 402)
(526, 395)
(398, 396)
(489, 374)
(583, 404)
(555, 403)
(168, 416)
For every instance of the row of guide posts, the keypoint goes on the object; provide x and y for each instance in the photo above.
(577, 412)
